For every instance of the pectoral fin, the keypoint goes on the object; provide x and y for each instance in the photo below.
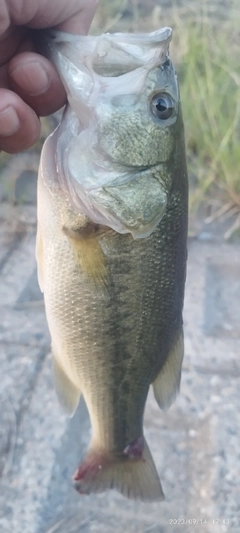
(89, 255)
(68, 394)
(40, 259)
(167, 383)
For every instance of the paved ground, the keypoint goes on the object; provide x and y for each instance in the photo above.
(195, 445)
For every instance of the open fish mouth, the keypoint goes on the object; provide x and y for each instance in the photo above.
(108, 54)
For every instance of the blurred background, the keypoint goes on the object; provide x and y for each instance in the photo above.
(196, 444)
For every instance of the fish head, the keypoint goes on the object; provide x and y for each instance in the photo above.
(118, 133)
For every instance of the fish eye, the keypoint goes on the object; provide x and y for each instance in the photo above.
(162, 106)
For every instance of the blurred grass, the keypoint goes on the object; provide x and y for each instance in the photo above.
(209, 75)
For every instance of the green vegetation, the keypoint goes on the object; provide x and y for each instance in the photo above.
(209, 72)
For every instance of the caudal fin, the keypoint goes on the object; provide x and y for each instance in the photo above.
(134, 477)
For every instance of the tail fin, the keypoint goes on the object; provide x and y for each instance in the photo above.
(135, 478)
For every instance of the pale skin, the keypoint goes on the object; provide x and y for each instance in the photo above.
(29, 84)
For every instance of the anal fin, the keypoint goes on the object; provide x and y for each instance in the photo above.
(166, 384)
(68, 394)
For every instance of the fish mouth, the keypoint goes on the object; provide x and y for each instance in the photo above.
(110, 54)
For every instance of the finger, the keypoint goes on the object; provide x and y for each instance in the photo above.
(19, 124)
(37, 82)
(80, 22)
(26, 45)
(10, 41)
(74, 16)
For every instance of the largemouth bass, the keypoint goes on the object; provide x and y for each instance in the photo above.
(111, 247)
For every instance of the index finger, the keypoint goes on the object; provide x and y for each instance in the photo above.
(72, 16)
(80, 22)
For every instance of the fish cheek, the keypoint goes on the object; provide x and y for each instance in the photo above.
(136, 138)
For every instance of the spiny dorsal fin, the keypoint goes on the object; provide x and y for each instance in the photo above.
(167, 383)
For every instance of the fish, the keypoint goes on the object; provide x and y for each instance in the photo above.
(111, 247)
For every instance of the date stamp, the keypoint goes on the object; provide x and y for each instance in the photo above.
(199, 521)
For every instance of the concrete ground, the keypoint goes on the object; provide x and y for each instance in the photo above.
(196, 445)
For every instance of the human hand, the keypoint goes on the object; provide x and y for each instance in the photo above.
(29, 84)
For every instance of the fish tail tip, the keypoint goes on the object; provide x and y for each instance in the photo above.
(134, 477)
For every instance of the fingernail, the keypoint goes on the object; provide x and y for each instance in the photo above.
(31, 77)
(9, 122)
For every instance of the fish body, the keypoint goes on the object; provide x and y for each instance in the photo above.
(111, 247)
